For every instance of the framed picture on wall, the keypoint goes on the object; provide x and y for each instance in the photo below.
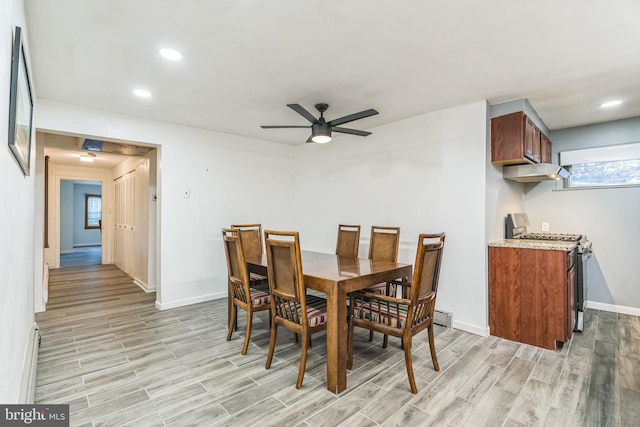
(20, 106)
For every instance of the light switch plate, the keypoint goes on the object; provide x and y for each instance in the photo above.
(545, 226)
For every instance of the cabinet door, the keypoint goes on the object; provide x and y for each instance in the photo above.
(507, 133)
(531, 141)
(545, 149)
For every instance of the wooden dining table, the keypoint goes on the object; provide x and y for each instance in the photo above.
(336, 276)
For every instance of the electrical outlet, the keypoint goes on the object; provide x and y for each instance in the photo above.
(545, 226)
(186, 193)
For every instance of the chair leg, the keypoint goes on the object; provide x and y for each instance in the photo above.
(303, 360)
(370, 335)
(247, 336)
(385, 341)
(407, 361)
(232, 321)
(432, 347)
(272, 343)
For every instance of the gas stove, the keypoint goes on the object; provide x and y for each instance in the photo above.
(516, 228)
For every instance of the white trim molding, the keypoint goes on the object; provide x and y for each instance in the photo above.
(28, 382)
(189, 301)
(143, 285)
(620, 309)
(473, 329)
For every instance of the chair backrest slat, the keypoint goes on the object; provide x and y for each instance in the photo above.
(384, 243)
(251, 239)
(348, 241)
(286, 280)
(427, 266)
(236, 265)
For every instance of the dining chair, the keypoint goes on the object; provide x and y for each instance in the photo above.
(399, 316)
(383, 246)
(348, 241)
(291, 307)
(242, 295)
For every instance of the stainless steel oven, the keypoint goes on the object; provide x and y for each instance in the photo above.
(516, 228)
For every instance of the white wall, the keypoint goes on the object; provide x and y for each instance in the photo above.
(609, 218)
(231, 179)
(424, 174)
(17, 223)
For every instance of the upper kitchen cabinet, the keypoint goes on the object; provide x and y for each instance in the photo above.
(515, 139)
(545, 149)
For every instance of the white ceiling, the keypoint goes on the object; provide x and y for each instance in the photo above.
(244, 60)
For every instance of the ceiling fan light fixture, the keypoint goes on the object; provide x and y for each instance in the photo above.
(321, 139)
(321, 133)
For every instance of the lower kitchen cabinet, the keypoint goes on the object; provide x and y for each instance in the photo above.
(532, 295)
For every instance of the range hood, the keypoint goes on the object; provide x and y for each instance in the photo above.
(534, 172)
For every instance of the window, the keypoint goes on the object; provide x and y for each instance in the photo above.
(92, 211)
(610, 166)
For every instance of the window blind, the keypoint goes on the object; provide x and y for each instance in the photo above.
(610, 153)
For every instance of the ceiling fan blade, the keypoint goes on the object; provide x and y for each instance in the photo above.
(352, 117)
(283, 127)
(350, 131)
(304, 113)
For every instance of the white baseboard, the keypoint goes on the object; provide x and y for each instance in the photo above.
(143, 285)
(28, 382)
(468, 327)
(189, 301)
(620, 309)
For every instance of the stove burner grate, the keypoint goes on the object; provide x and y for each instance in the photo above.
(551, 236)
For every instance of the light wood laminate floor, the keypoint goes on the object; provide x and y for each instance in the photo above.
(109, 353)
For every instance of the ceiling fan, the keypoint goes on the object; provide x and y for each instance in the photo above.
(320, 128)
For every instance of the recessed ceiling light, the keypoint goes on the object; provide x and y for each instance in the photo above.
(171, 54)
(610, 104)
(89, 157)
(142, 93)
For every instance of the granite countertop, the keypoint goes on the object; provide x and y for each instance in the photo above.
(534, 244)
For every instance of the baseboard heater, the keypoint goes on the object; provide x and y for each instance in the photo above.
(28, 383)
(443, 318)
